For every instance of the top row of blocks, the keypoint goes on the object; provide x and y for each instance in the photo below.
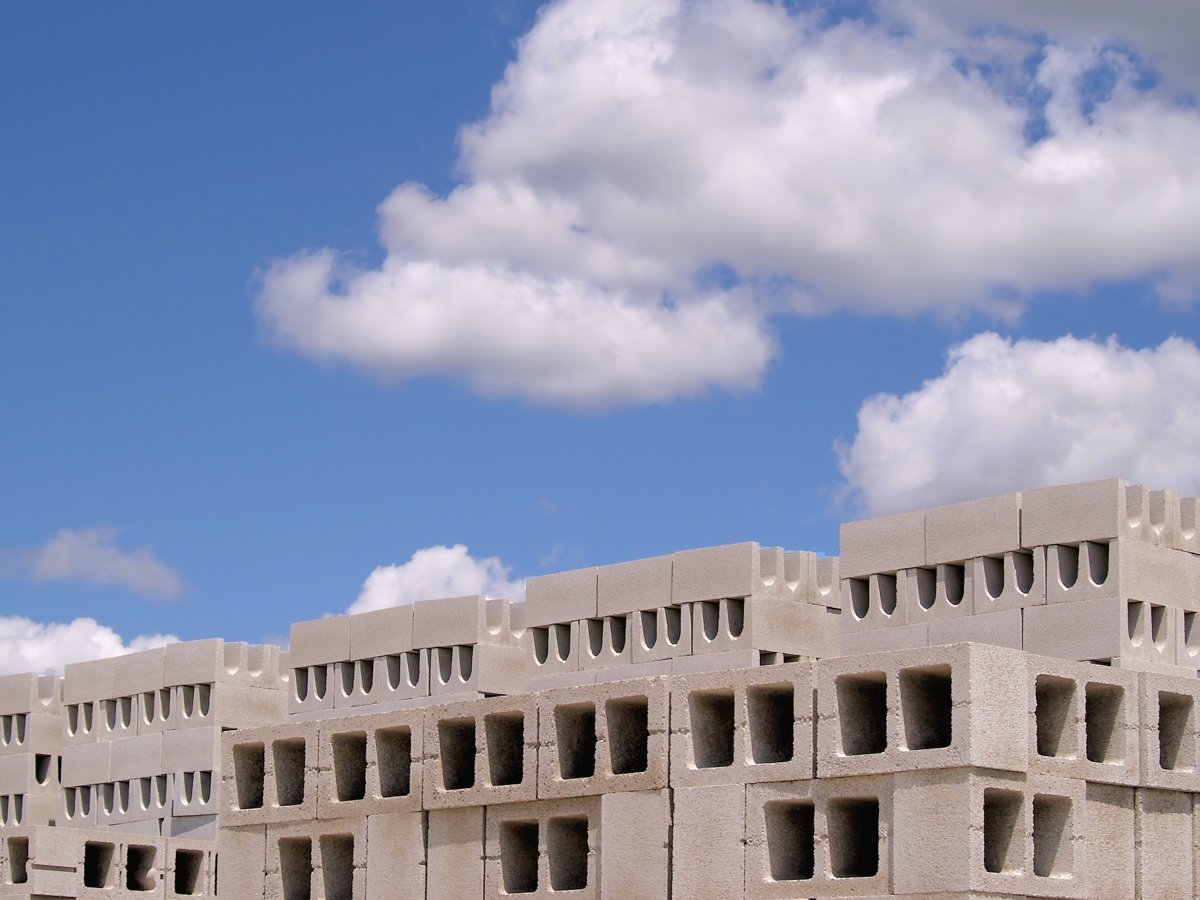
(1064, 514)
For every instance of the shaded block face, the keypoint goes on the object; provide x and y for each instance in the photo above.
(712, 728)
(575, 729)
(1170, 758)
(484, 752)
(456, 740)
(862, 713)
(791, 839)
(854, 837)
(543, 849)
(519, 856)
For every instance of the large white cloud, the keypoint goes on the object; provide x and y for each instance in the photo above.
(1008, 415)
(656, 178)
(43, 647)
(437, 572)
(91, 555)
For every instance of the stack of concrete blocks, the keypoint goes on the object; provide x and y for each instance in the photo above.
(404, 657)
(728, 607)
(30, 749)
(1101, 571)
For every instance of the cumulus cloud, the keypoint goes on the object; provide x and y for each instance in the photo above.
(656, 179)
(29, 646)
(1008, 415)
(92, 556)
(437, 572)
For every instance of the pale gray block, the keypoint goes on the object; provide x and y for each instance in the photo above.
(632, 586)
(269, 775)
(662, 667)
(764, 623)
(454, 853)
(1187, 639)
(191, 749)
(1013, 580)
(1189, 525)
(707, 858)
(214, 660)
(545, 849)
(827, 589)
(29, 773)
(727, 660)
(884, 544)
(84, 764)
(91, 680)
(1170, 731)
(395, 856)
(1110, 842)
(552, 650)
(1122, 568)
(371, 765)
(1163, 843)
(141, 671)
(154, 710)
(81, 723)
(319, 641)
(312, 689)
(539, 683)
(1101, 630)
(243, 855)
(481, 668)
(561, 597)
(751, 725)
(635, 825)
(403, 676)
(192, 828)
(1143, 665)
(938, 592)
(875, 601)
(77, 809)
(661, 634)
(354, 684)
(1089, 511)
(194, 793)
(135, 757)
(30, 693)
(904, 637)
(382, 632)
(462, 620)
(715, 573)
(30, 733)
(606, 642)
(1164, 525)
(226, 705)
(27, 809)
(134, 801)
(963, 531)
(331, 861)
(118, 717)
(1000, 628)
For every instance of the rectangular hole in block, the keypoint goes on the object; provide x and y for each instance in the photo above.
(248, 774)
(288, 756)
(295, 868)
(337, 866)
(457, 749)
(350, 765)
(567, 847)
(505, 735)
(628, 734)
(189, 872)
(1159, 616)
(42, 766)
(790, 840)
(18, 860)
(1103, 718)
(575, 729)
(1176, 732)
(393, 754)
(98, 864)
(771, 709)
(519, 857)
(1003, 825)
(853, 837)
(140, 874)
(862, 712)
(926, 707)
(860, 597)
(1055, 717)
(1052, 856)
(711, 728)
(993, 575)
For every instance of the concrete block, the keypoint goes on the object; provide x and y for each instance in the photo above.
(319, 641)
(707, 854)
(605, 642)
(395, 855)
(1010, 580)
(481, 752)
(402, 676)
(1004, 629)
(134, 800)
(1188, 536)
(727, 660)
(243, 861)
(644, 584)
(740, 570)
(118, 717)
(454, 853)
(828, 573)
(191, 749)
(884, 544)
(1089, 511)
(141, 671)
(135, 757)
(903, 637)
(875, 601)
(544, 849)
(354, 684)
(269, 775)
(1170, 720)
(225, 705)
(963, 531)
(317, 859)
(214, 660)
(91, 680)
(381, 632)
(27, 809)
(194, 793)
(764, 623)
(939, 707)
(202, 827)
(189, 867)
(1101, 630)
(561, 597)
(662, 667)
(1163, 843)
(370, 765)
(30, 732)
(635, 825)
(85, 764)
(661, 634)
(1122, 568)
(462, 620)
(30, 693)
(77, 809)
(1187, 639)
(482, 668)
(938, 592)
(540, 683)
(1110, 842)
(747, 726)
(552, 650)
(80, 723)
(603, 738)
(29, 773)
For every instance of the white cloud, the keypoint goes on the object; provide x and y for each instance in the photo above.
(28, 646)
(1009, 415)
(91, 555)
(437, 572)
(657, 178)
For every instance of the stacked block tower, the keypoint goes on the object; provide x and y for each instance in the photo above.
(991, 699)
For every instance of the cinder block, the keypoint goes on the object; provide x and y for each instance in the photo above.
(91, 680)
(191, 749)
(940, 707)
(1187, 640)
(77, 809)
(1169, 732)
(354, 684)
(29, 773)
(1004, 629)
(561, 597)
(194, 794)
(662, 667)
(30, 733)
(317, 859)
(962, 531)
(603, 738)
(454, 853)
(707, 854)
(402, 677)
(884, 544)
(644, 584)
(381, 632)
(903, 637)
(189, 867)
(540, 683)
(214, 660)
(828, 572)
(1188, 536)
(1011, 580)
(27, 809)
(1110, 842)
(395, 855)
(1163, 843)
(605, 642)
(1122, 568)
(875, 601)
(370, 765)
(481, 752)
(938, 592)
(552, 650)
(85, 764)
(747, 726)
(1101, 630)
(635, 825)
(118, 717)
(739, 570)
(727, 660)
(141, 671)
(269, 775)
(30, 693)
(225, 705)
(243, 861)
(134, 800)
(202, 827)
(319, 641)
(1089, 511)
(544, 849)
(81, 723)
(476, 668)
(661, 634)
(462, 620)
(135, 757)
(764, 623)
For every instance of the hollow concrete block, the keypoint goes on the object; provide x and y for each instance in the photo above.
(381, 632)
(552, 650)
(135, 757)
(883, 544)
(455, 853)
(30, 693)
(1122, 568)
(1110, 838)
(331, 857)
(605, 643)
(1011, 580)
(312, 689)
(85, 764)
(1101, 630)
(1188, 534)
(707, 853)
(400, 677)
(1163, 843)
(661, 634)
(269, 775)
(77, 809)
(243, 862)
(544, 849)
(740, 570)
(1088, 511)
(632, 586)
(903, 637)
(875, 601)
(561, 597)
(938, 592)
(225, 705)
(91, 680)
(461, 620)
(319, 641)
(481, 668)
(395, 855)
(29, 773)
(30, 733)
(141, 671)
(1170, 732)
(725, 660)
(354, 684)
(1004, 629)
(214, 660)
(962, 531)
(765, 624)
(635, 826)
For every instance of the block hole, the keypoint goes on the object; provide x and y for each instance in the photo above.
(465, 654)
(43, 766)
(295, 868)
(1135, 616)
(860, 597)
(456, 740)
(350, 765)
(711, 725)
(403, 670)
(628, 721)
(1068, 564)
(1103, 718)
(140, 874)
(575, 730)
(1097, 561)
(673, 619)
(366, 675)
(771, 710)
(617, 632)
(1052, 856)
(393, 754)
(347, 672)
(862, 712)
(1191, 634)
(710, 618)
(6, 730)
(562, 640)
(595, 637)
(926, 707)
(70, 802)
(993, 576)
(98, 864)
(337, 866)
(125, 706)
(445, 663)
(1055, 717)
(108, 798)
(954, 581)
(1159, 617)
(505, 734)
(189, 872)
(648, 619)
(1003, 827)
(300, 683)
(567, 847)
(735, 616)
(160, 788)
(149, 706)
(519, 857)
(18, 860)
(110, 714)
(72, 720)
(854, 837)
(1022, 563)
(164, 704)
(145, 794)
(791, 839)
(1176, 732)
(926, 580)
(320, 681)
(122, 797)
(288, 756)
(886, 585)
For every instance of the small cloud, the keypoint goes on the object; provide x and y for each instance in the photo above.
(90, 555)
(547, 506)
(28, 646)
(437, 572)
(551, 556)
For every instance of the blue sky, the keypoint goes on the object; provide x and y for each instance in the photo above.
(291, 292)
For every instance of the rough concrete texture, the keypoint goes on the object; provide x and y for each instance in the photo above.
(545, 849)
(369, 765)
(963, 531)
(884, 544)
(481, 752)
(1128, 569)
(635, 826)
(707, 852)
